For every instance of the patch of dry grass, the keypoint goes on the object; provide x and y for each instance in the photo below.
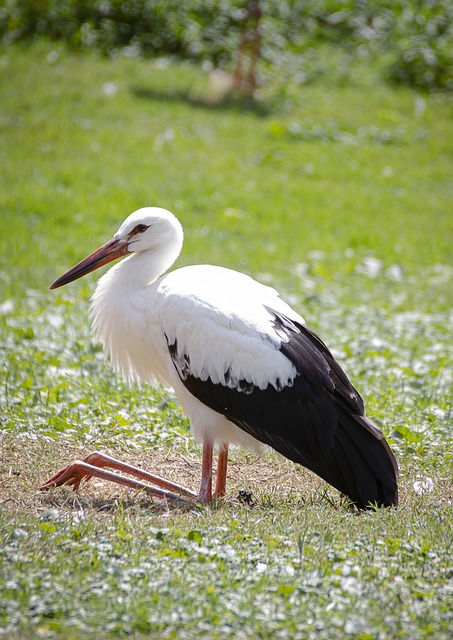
(24, 468)
(252, 480)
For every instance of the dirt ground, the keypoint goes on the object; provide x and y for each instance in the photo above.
(25, 465)
(252, 480)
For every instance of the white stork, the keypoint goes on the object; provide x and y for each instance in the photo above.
(243, 364)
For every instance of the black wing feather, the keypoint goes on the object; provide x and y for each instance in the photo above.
(318, 422)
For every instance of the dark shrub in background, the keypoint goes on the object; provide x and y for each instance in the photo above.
(416, 35)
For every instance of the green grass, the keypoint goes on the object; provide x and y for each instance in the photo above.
(303, 192)
(274, 571)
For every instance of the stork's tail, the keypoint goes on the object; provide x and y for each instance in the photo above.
(363, 465)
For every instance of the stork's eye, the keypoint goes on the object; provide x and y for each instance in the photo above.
(140, 228)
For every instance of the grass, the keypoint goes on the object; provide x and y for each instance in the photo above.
(337, 193)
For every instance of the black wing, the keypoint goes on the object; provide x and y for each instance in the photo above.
(318, 422)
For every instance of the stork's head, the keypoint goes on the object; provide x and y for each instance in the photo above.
(148, 229)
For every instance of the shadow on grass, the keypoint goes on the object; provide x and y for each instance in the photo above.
(231, 101)
(66, 499)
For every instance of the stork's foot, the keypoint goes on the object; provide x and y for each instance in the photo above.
(72, 475)
(94, 466)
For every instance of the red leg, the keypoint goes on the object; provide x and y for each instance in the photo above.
(93, 466)
(205, 494)
(222, 465)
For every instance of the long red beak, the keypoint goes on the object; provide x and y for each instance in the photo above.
(109, 251)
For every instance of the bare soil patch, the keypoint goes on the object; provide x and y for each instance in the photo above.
(253, 479)
(24, 465)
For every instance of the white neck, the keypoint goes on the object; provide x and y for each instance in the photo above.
(120, 291)
(139, 270)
